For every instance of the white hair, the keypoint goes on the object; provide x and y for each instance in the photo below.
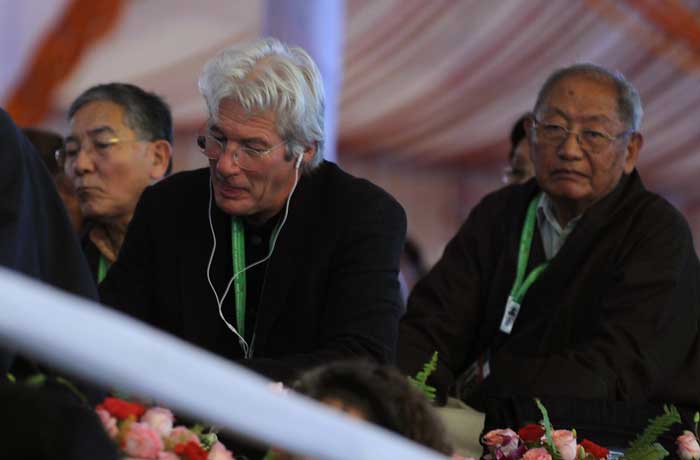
(268, 75)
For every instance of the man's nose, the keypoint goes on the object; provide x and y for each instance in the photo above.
(570, 149)
(83, 161)
(227, 164)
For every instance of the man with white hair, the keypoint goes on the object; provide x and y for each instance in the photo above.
(579, 284)
(271, 256)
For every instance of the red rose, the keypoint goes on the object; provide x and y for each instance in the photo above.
(120, 409)
(191, 451)
(594, 449)
(531, 433)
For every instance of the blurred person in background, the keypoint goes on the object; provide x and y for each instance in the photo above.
(377, 394)
(520, 168)
(49, 144)
(120, 142)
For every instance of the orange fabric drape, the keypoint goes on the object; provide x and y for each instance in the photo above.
(58, 53)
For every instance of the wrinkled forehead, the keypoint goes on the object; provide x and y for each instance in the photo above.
(584, 98)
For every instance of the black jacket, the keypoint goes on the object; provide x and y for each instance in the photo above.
(614, 317)
(330, 290)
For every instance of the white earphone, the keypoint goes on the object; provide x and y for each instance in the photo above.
(247, 349)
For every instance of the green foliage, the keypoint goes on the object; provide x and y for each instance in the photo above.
(650, 452)
(645, 447)
(35, 380)
(11, 378)
(548, 431)
(421, 378)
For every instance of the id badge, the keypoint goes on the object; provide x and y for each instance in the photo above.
(509, 315)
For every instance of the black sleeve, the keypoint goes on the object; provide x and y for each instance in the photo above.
(443, 309)
(650, 321)
(129, 283)
(363, 304)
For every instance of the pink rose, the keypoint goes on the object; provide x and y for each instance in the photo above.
(180, 435)
(504, 440)
(688, 448)
(109, 422)
(167, 456)
(565, 441)
(140, 440)
(538, 453)
(159, 419)
(219, 452)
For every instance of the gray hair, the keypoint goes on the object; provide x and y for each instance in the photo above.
(269, 75)
(147, 114)
(629, 104)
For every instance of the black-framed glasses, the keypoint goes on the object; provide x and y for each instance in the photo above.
(591, 140)
(213, 146)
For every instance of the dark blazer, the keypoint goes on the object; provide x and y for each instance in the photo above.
(615, 316)
(330, 291)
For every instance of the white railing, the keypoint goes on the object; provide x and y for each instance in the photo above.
(112, 349)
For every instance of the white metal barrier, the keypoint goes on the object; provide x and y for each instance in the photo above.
(112, 349)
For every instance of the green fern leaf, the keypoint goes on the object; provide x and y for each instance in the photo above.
(421, 378)
(644, 447)
(650, 452)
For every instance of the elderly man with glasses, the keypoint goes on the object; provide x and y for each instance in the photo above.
(270, 256)
(579, 284)
(119, 144)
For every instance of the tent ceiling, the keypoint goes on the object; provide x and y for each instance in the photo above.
(438, 82)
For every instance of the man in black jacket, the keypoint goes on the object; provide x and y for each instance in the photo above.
(270, 257)
(579, 285)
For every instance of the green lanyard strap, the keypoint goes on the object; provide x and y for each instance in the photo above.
(522, 282)
(102, 268)
(239, 283)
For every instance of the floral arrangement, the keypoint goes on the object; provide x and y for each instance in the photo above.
(149, 433)
(688, 447)
(543, 442)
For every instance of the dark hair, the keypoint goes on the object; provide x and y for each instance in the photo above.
(383, 395)
(46, 143)
(146, 113)
(517, 134)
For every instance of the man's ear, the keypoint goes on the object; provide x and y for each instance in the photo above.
(309, 153)
(161, 152)
(632, 152)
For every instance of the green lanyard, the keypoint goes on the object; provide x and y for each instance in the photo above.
(239, 284)
(522, 283)
(102, 268)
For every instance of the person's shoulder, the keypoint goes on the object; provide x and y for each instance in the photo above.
(177, 193)
(649, 207)
(347, 189)
(511, 200)
(180, 182)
